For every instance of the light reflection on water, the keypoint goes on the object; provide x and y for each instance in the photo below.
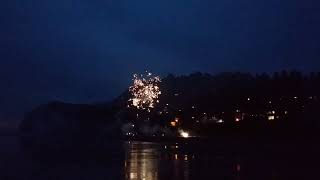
(142, 161)
(149, 161)
(156, 161)
(164, 161)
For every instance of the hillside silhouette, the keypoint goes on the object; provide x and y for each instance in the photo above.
(284, 104)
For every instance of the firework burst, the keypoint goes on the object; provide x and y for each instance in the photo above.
(145, 91)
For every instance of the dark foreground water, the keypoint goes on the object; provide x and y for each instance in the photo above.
(166, 161)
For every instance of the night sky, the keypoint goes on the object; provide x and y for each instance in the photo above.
(86, 51)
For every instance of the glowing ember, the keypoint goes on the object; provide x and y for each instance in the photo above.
(173, 124)
(145, 91)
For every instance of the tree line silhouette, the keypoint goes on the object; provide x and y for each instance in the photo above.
(281, 102)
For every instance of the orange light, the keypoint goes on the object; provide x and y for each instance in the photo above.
(173, 124)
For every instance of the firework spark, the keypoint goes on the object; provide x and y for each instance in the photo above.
(145, 91)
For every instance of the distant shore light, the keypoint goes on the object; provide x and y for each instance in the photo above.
(271, 118)
(184, 134)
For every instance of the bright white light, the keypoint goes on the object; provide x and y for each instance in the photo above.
(270, 118)
(220, 121)
(184, 134)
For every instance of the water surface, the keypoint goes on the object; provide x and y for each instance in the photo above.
(166, 161)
